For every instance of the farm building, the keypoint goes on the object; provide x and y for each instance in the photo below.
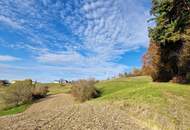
(4, 82)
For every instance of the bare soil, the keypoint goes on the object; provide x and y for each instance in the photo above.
(61, 112)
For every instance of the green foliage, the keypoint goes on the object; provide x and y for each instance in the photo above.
(171, 17)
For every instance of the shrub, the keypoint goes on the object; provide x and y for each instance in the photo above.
(23, 92)
(179, 79)
(19, 93)
(84, 90)
(40, 92)
(136, 72)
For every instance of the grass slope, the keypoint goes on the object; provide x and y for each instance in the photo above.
(55, 88)
(162, 105)
(14, 110)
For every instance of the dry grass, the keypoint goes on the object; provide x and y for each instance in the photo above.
(84, 90)
(63, 113)
(39, 92)
(2, 91)
(19, 93)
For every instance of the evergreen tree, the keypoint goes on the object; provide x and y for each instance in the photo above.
(171, 34)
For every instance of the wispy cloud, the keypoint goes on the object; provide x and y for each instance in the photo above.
(62, 57)
(9, 22)
(4, 58)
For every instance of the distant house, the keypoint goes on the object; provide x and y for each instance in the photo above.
(4, 82)
(56, 81)
(61, 81)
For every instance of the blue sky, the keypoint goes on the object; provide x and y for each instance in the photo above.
(72, 39)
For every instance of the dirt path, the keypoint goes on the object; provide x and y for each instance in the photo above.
(60, 112)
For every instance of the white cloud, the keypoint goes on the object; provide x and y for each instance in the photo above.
(4, 58)
(110, 27)
(9, 22)
(62, 57)
(98, 23)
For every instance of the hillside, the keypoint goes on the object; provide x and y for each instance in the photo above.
(159, 105)
(125, 103)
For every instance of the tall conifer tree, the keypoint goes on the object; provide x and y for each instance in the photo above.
(172, 36)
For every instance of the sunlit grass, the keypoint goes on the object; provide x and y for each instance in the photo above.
(14, 110)
(55, 88)
(156, 104)
(141, 89)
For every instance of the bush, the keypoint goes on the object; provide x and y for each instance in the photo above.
(136, 72)
(23, 92)
(19, 93)
(179, 79)
(40, 92)
(84, 90)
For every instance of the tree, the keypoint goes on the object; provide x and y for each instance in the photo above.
(185, 56)
(151, 61)
(171, 36)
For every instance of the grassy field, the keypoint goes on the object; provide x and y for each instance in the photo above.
(160, 105)
(55, 88)
(156, 105)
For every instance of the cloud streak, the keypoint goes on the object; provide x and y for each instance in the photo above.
(9, 22)
(7, 58)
